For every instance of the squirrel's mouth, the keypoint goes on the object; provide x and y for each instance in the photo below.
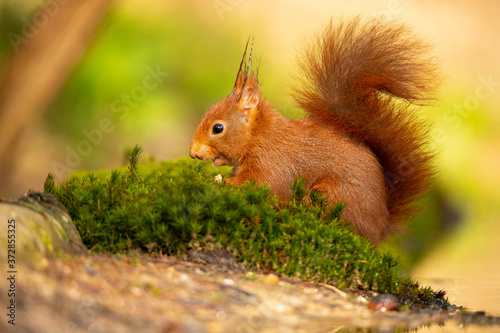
(218, 161)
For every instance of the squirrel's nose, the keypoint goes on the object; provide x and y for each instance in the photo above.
(200, 151)
(194, 150)
(192, 153)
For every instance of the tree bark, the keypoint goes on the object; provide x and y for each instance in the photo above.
(46, 50)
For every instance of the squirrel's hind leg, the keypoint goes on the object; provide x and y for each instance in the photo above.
(363, 210)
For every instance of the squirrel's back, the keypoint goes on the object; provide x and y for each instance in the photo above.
(364, 77)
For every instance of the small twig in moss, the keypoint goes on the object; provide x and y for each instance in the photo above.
(49, 185)
(135, 156)
(335, 289)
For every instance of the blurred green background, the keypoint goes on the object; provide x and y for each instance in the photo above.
(149, 69)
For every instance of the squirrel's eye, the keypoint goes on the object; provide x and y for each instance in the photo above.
(217, 129)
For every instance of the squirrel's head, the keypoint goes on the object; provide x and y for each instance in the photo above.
(227, 126)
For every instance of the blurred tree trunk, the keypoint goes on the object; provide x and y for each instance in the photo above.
(45, 52)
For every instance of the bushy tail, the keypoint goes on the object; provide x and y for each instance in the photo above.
(365, 77)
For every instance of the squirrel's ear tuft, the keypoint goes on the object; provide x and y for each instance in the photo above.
(246, 88)
(246, 75)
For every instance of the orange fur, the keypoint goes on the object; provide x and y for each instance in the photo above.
(360, 142)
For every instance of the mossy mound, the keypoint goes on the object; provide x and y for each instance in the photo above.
(175, 207)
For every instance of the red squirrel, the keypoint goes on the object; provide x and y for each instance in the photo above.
(360, 142)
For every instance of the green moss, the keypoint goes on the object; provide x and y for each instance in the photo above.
(175, 207)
